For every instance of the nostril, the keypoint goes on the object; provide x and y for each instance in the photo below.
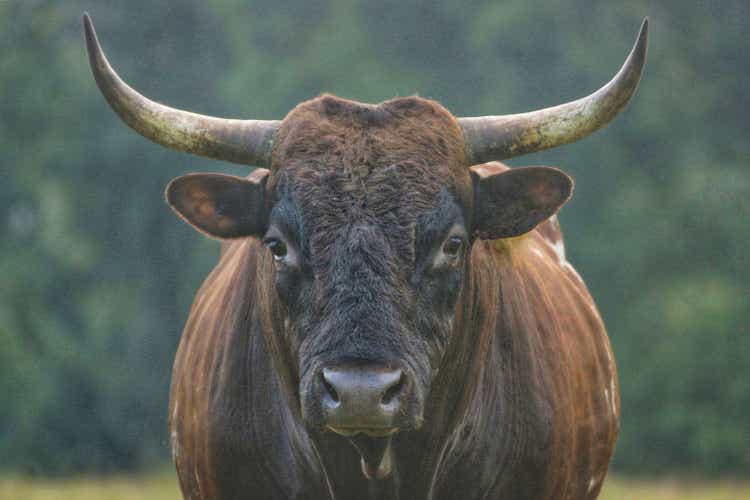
(329, 388)
(390, 394)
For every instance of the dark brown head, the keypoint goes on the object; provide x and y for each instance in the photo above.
(372, 207)
(370, 212)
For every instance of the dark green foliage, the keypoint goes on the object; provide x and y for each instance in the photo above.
(96, 274)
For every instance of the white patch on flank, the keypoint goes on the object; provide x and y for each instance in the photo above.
(198, 481)
(614, 400)
(592, 484)
(174, 437)
(559, 248)
(606, 396)
(609, 359)
(286, 324)
(537, 252)
(175, 447)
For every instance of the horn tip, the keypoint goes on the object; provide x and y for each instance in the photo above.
(96, 56)
(637, 57)
(643, 34)
(90, 33)
(88, 25)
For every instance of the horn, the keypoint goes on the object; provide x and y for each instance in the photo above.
(240, 141)
(500, 137)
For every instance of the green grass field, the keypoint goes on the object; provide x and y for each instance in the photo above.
(162, 485)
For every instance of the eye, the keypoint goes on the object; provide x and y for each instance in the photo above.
(277, 248)
(453, 246)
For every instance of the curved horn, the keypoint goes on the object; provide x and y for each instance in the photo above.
(241, 141)
(499, 137)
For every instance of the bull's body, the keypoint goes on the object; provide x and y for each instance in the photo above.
(391, 317)
(529, 411)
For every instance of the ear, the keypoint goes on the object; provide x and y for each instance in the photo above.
(221, 206)
(511, 202)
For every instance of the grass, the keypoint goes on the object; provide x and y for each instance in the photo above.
(163, 486)
(620, 488)
(159, 486)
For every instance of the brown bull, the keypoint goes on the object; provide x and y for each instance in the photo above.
(386, 319)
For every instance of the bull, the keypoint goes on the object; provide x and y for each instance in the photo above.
(392, 314)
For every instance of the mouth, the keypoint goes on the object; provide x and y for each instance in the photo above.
(373, 432)
(376, 454)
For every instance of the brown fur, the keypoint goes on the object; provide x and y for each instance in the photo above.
(329, 132)
(524, 404)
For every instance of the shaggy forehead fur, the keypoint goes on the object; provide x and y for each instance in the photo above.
(330, 130)
(346, 162)
(329, 136)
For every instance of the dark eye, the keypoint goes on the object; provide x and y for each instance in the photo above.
(453, 246)
(278, 248)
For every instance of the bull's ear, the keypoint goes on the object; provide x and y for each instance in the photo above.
(511, 202)
(221, 206)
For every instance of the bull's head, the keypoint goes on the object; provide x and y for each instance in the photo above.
(370, 213)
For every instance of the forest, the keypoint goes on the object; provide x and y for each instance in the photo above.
(97, 275)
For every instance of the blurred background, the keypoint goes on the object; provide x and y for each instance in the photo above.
(97, 275)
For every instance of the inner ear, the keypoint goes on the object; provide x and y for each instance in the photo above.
(512, 202)
(221, 206)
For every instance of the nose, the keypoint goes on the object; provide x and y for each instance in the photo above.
(363, 398)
